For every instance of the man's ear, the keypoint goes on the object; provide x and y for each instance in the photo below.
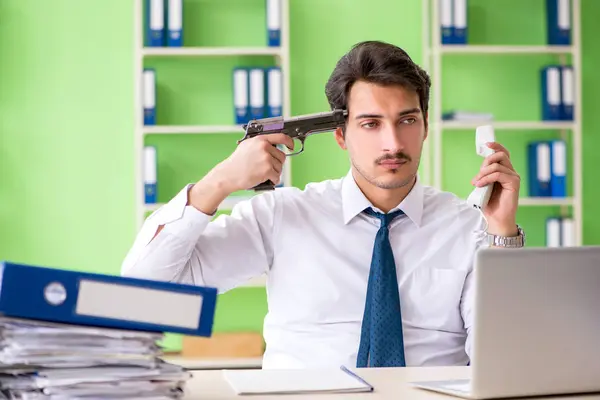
(339, 138)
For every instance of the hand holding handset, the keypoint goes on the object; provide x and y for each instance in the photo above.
(481, 195)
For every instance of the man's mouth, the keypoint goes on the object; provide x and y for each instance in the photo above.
(392, 163)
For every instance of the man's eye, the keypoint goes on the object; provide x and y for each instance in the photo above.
(409, 121)
(369, 125)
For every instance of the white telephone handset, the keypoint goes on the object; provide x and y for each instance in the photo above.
(480, 196)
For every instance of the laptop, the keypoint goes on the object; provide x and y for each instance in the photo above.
(536, 324)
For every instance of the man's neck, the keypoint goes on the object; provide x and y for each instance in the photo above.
(383, 199)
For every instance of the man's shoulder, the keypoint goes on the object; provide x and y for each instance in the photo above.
(439, 202)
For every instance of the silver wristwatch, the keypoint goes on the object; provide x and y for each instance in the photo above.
(508, 241)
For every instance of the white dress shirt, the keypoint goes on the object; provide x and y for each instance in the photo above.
(315, 246)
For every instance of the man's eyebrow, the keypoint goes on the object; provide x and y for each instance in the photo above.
(400, 114)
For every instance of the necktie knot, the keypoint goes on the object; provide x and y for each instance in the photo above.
(385, 219)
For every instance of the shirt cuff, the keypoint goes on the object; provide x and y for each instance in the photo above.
(177, 216)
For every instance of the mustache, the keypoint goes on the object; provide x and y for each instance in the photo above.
(400, 156)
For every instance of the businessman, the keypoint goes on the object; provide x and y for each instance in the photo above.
(373, 269)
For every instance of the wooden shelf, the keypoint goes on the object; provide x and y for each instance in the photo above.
(210, 51)
(509, 125)
(192, 129)
(499, 49)
(546, 201)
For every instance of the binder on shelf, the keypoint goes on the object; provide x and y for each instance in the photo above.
(274, 23)
(539, 169)
(257, 92)
(447, 27)
(558, 22)
(558, 159)
(241, 95)
(567, 93)
(553, 236)
(274, 90)
(155, 23)
(92, 299)
(460, 22)
(567, 232)
(551, 93)
(150, 181)
(175, 23)
(149, 96)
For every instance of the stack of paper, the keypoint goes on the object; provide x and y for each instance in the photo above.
(42, 360)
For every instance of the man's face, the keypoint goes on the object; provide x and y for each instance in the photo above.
(384, 134)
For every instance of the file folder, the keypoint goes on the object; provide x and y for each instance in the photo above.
(567, 93)
(150, 167)
(558, 22)
(274, 92)
(553, 232)
(175, 23)
(274, 23)
(241, 95)
(84, 298)
(551, 93)
(460, 22)
(257, 93)
(447, 27)
(149, 96)
(539, 169)
(558, 156)
(155, 23)
(567, 232)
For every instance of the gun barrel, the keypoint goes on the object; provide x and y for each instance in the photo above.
(299, 125)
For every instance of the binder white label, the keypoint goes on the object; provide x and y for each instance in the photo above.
(149, 164)
(553, 232)
(460, 14)
(240, 88)
(564, 14)
(543, 162)
(275, 83)
(157, 14)
(175, 14)
(257, 88)
(273, 15)
(149, 90)
(553, 82)
(446, 13)
(559, 157)
(137, 304)
(567, 86)
(568, 232)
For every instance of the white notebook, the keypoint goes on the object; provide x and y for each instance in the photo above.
(264, 381)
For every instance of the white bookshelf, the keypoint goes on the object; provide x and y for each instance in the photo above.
(281, 57)
(434, 54)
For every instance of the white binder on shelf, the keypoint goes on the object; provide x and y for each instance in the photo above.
(257, 93)
(567, 93)
(155, 23)
(149, 96)
(567, 232)
(274, 23)
(274, 92)
(460, 22)
(553, 235)
(150, 181)
(175, 23)
(241, 95)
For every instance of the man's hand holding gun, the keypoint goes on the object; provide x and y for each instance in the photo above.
(257, 163)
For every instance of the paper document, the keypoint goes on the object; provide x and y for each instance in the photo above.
(42, 360)
(295, 381)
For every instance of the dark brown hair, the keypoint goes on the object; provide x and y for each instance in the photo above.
(376, 62)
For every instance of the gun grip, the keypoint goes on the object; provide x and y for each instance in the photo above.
(267, 185)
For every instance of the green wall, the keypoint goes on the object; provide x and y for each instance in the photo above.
(66, 117)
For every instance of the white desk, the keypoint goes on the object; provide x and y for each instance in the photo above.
(389, 383)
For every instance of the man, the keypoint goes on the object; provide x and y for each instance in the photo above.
(347, 283)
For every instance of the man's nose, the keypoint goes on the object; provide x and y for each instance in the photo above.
(390, 139)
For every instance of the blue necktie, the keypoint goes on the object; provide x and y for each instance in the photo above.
(381, 342)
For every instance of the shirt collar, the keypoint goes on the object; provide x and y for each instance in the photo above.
(354, 201)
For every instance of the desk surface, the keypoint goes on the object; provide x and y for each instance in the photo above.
(389, 383)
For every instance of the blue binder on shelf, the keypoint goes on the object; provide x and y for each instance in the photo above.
(539, 169)
(446, 24)
(155, 23)
(83, 298)
(558, 161)
(558, 22)
(274, 92)
(551, 93)
(273, 23)
(567, 93)
(460, 22)
(257, 92)
(150, 175)
(174, 23)
(149, 96)
(241, 95)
